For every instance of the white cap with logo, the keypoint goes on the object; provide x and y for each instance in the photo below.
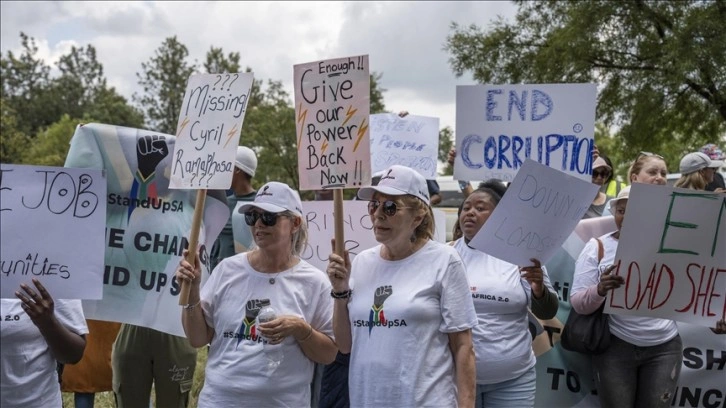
(398, 180)
(246, 160)
(275, 197)
(696, 161)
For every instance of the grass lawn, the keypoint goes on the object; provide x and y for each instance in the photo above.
(105, 399)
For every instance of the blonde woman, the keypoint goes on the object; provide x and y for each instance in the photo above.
(403, 309)
(697, 171)
(223, 313)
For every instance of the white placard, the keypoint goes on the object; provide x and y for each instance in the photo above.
(208, 130)
(672, 255)
(498, 127)
(52, 222)
(540, 209)
(332, 122)
(411, 141)
(358, 230)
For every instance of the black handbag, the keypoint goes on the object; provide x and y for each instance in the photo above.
(587, 334)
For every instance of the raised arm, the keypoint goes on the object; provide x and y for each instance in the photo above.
(66, 346)
(195, 326)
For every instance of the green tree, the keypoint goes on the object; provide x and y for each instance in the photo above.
(377, 103)
(446, 142)
(217, 63)
(13, 142)
(51, 145)
(659, 65)
(269, 129)
(164, 79)
(24, 79)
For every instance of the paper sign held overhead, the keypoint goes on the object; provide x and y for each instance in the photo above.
(208, 130)
(411, 141)
(332, 106)
(540, 209)
(672, 256)
(52, 223)
(498, 127)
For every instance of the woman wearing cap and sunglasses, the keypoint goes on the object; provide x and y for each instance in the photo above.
(223, 313)
(403, 308)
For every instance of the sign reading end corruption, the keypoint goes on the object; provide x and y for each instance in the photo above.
(208, 130)
(671, 256)
(332, 106)
(498, 127)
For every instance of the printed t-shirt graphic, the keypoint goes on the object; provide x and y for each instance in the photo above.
(248, 328)
(377, 317)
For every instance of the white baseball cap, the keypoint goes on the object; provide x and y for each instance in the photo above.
(246, 160)
(398, 180)
(624, 194)
(696, 161)
(275, 197)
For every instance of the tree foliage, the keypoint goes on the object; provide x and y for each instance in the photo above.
(660, 66)
(164, 80)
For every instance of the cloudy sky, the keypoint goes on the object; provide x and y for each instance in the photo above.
(404, 40)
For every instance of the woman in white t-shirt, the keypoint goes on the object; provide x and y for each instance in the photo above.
(37, 331)
(642, 364)
(238, 371)
(502, 294)
(403, 309)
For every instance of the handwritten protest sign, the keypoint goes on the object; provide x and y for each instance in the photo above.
(147, 225)
(541, 208)
(208, 130)
(52, 223)
(564, 378)
(358, 229)
(332, 105)
(411, 141)
(672, 256)
(499, 126)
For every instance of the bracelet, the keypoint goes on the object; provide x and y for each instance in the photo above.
(191, 307)
(341, 295)
(310, 334)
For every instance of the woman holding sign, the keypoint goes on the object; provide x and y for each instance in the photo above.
(36, 332)
(502, 293)
(402, 309)
(224, 313)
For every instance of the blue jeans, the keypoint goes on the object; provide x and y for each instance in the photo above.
(517, 392)
(630, 376)
(84, 399)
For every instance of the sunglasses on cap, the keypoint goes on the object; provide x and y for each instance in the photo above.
(389, 207)
(601, 173)
(269, 219)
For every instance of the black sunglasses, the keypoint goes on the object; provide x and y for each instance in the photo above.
(268, 218)
(601, 173)
(389, 207)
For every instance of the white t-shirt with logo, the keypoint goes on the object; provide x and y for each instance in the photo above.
(642, 331)
(28, 370)
(401, 313)
(236, 372)
(502, 341)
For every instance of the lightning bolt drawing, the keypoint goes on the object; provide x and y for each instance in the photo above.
(361, 132)
(349, 114)
(184, 123)
(301, 116)
(231, 134)
(325, 146)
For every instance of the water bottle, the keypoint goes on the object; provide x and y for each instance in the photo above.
(273, 352)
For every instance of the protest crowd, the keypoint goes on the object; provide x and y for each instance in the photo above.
(409, 321)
